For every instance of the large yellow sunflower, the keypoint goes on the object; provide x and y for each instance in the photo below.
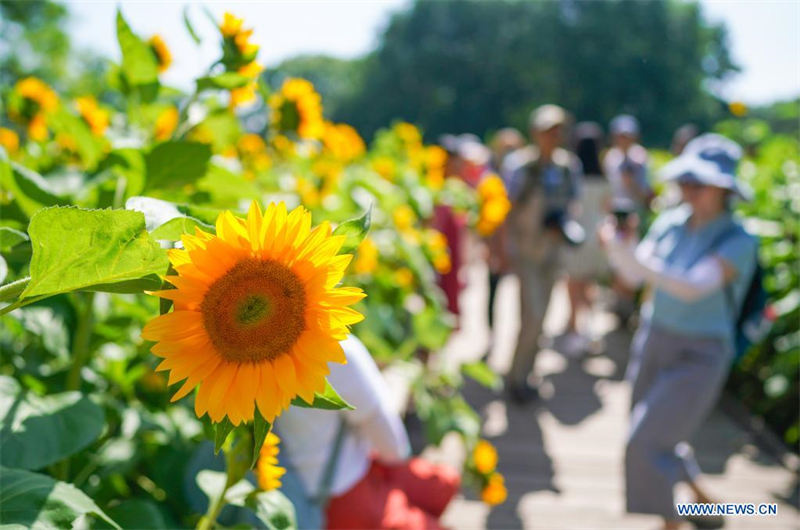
(257, 313)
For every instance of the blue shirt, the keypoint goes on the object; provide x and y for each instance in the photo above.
(681, 247)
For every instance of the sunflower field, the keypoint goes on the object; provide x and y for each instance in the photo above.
(178, 269)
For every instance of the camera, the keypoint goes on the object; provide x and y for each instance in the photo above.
(569, 229)
(622, 208)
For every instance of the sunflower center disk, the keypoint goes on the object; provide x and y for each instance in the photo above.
(255, 311)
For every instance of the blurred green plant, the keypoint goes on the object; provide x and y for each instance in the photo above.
(94, 191)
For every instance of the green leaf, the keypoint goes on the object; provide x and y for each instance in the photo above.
(139, 63)
(328, 400)
(29, 189)
(355, 230)
(164, 304)
(188, 24)
(221, 127)
(221, 432)
(484, 375)
(429, 327)
(274, 509)
(75, 249)
(227, 188)
(138, 513)
(173, 229)
(10, 237)
(204, 214)
(225, 81)
(37, 501)
(11, 291)
(176, 163)
(127, 163)
(38, 431)
(261, 429)
(88, 147)
(212, 483)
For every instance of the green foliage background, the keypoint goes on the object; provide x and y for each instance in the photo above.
(87, 431)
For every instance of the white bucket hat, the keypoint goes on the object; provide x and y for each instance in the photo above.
(709, 159)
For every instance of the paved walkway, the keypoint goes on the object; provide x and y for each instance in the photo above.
(562, 459)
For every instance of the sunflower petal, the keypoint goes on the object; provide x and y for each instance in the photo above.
(175, 325)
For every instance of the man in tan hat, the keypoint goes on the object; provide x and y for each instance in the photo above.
(543, 183)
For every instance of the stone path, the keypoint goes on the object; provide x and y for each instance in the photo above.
(562, 459)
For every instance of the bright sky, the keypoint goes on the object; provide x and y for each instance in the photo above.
(764, 35)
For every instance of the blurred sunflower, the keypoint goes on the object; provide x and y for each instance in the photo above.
(494, 492)
(408, 133)
(252, 69)
(268, 471)
(257, 313)
(162, 53)
(231, 25)
(166, 122)
(404, 217)
(36, 90)
(384, 166)
(37, 100)
(494, 204)
(308, 191)
(297, 107)
(95, 117)
(247, 93)
(442, 263)
(237, 48)
(366, 257)
(404, 277)
(342, 141)
(485, 457)
(9, 140)
(737, 108)
(37, 128)
(435, 160)
(243, 95)
(242, 40)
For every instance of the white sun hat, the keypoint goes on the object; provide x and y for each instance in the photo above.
(710, 159)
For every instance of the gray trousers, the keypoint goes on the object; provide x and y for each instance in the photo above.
(676, 382)
(536, 280)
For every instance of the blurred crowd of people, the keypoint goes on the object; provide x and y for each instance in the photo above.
(582, 211)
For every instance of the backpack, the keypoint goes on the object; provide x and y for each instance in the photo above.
(752, 319)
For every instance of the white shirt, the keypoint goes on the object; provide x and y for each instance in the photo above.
(637, 159)
(308, 435)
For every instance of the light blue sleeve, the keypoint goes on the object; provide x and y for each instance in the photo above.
(740, 252)
(665, 221)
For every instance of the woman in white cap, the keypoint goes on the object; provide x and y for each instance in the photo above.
(698, 261)
(625, 163)
(626, 167)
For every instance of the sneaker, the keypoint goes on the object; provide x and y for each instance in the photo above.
(522, 394)
(705, 521)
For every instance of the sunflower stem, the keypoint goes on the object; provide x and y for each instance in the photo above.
(208, 521)
(80, 343)
(237, 449)
(216, 505)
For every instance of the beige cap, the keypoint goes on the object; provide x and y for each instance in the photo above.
(546, 117)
